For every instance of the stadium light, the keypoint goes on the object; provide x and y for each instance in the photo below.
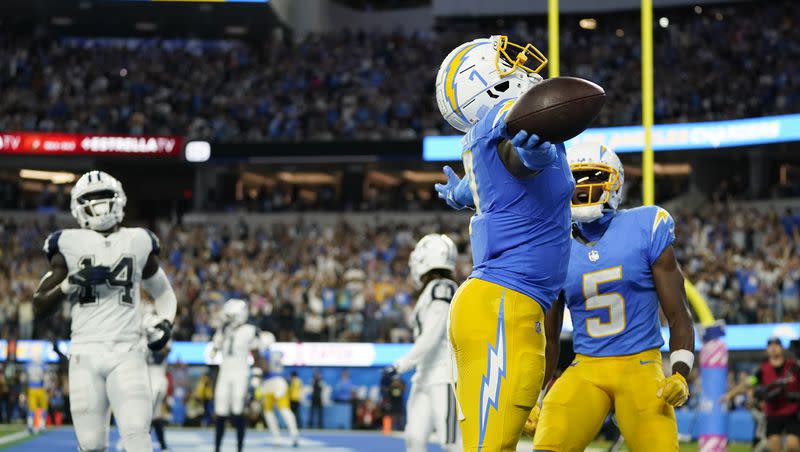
(197, 151)
(588, 24)
(55, 177)
(663, 22)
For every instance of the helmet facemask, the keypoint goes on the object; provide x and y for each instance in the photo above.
(595, 184)
(99, 210)
(98, 201)
(509, 57)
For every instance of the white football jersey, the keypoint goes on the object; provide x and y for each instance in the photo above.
(430, 353)
(109, 312)
(235, 344)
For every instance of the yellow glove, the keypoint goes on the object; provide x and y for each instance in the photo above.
(533, 419)
(674, 390)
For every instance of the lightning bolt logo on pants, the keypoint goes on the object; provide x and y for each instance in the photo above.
(495, 373)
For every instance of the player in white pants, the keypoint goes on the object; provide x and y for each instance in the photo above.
(100, 269)
(431, 404)
(275, 392)
(157, 368)
(236, 340)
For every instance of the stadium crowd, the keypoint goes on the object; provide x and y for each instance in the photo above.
(380, 85)
(312, 283)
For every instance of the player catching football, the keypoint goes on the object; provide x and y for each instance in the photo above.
(520, 188)
(100, 269)
(431, 403)
(622, 268)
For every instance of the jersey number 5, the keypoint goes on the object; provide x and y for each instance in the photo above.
(613, 302)
(121, 277)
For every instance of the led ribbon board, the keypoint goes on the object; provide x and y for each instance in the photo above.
(358, 354)
(666, 137)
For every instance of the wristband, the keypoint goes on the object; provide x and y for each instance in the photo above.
(681, 356)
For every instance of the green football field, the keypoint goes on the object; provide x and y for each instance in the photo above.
(6, 432)
(8, 429)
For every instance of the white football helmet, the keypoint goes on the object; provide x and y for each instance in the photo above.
(98, 201)
(265, 340)
(599, 176)
(478, 74)
(235, 312)
(434, 251)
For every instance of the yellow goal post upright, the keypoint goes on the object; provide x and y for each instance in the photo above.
(648, 174)
(648, 186)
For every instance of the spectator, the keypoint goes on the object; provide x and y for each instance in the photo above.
(367, 415)
(324, 90)
(343, 390)
(344, 393)
(204, 396)
(295, 395)
(316, 413)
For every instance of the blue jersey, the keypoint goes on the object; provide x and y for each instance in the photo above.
(610, 290)
(36, 373)
(274, 362)
(520, 232)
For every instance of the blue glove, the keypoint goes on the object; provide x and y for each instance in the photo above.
(535, 154)
(455, 192)
(90, 276)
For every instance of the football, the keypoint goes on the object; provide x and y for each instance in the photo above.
(557, 109)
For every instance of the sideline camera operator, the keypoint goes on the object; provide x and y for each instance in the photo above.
(776, 382)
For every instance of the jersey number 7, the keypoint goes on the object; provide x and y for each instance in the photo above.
(613, 301)
(121, 277)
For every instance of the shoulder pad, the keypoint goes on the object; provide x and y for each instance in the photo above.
(154, 242)
(443, 290)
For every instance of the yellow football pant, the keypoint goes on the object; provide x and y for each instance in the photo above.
(498, 339)
(270, 402)
(579, 401)
(37, 398)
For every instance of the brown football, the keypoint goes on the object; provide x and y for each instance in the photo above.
(557, 109)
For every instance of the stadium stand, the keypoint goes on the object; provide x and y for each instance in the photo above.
(317, 88)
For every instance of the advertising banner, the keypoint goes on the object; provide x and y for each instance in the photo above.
(666, 137)
(61, 144)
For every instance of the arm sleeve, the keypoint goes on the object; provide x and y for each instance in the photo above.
(158, 287)
(662, 234)
(51, 244)
(432, 332)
